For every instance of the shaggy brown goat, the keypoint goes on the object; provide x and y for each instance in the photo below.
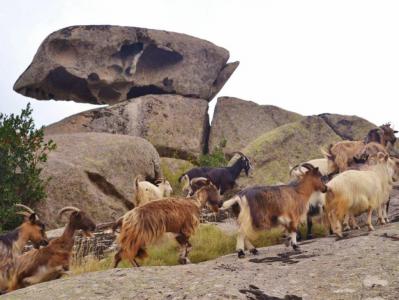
(13, 242)
(264, 207)
(145, 224)
(52, 261)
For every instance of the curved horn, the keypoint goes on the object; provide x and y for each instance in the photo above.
(23, 213)
(307, 166)
(67, 208)
(195, 180)
(292, 169)
(240, 153)
(28, 209)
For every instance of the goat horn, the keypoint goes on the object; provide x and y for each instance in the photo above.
(307, 166)
(25, 207)
(67, 208)
(292, 169)
(195, 180)
(23, 213)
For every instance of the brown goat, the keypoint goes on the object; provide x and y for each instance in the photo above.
(13, 242)
(343, 154)
(52, 261)
(146, 224)
(264, 207)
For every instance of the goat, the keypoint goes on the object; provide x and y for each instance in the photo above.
(13, 242)
(146, 191)
(147, 223)
(341, 155)
(356, 191)
(384, 135)
(264, 207)
(223, 178)
(316, 200)
(52, 261)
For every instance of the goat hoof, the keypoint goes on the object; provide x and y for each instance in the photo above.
(298, 236)
(309, 237)
(254, 251)
(295, 247)
(184, 260)
(241, 254)
(347, 228)
(371, 228)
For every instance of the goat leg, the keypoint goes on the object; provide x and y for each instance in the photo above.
(370, 226)
(117, 258)
(309, 221)
(240, 247)
(184, 248)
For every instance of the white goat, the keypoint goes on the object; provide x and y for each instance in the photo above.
(356, 191)
(146, 191)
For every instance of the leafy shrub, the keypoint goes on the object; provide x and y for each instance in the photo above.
(22, 149)
(214, 159)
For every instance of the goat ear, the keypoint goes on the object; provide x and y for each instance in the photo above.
(32, 218)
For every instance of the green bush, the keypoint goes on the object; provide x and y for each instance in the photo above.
(214, 159)
(22, 149)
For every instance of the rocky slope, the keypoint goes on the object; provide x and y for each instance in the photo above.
(361, 266)
(95, 172)
(102, 64)
(239, 122)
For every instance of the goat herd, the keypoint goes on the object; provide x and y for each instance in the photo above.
(353, 177)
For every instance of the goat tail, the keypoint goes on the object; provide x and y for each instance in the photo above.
(229, 203)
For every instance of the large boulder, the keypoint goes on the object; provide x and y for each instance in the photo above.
(351, 128)
(95, 172)
(239, 122)
(109, 64)
(177, 126)
(275, 151)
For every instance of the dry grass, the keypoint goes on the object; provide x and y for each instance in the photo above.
(208, 243)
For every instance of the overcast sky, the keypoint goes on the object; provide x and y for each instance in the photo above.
(306, 56)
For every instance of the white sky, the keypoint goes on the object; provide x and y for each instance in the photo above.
(306, 56)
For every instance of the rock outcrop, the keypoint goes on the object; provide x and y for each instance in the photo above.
(275, 151)
(177, 126)
(108, 64)
(348, 127)
(239, 122)
(95, 172)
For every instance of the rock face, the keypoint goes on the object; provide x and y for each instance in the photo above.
(275, 151)
(177, 126)
(239, 122)
(95, 172)
(348, 127)
(109, 64)
(361, 266)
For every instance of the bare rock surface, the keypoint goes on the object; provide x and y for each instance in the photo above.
(351, 128)
(177, 126)
(362, 265)
(274, 152)
(95, 172)
(239, 122)
(102, 64)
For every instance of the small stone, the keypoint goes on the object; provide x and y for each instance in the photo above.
(374, 281)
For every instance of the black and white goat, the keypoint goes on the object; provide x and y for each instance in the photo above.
(223, 178)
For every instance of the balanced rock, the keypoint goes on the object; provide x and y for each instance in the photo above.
(95, 172)
(109, 64)
(177, 126)
(238, 122)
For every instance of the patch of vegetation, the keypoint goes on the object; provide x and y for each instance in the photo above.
(172, 175)
(209, 242)
(22, 150)
(214, 159)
